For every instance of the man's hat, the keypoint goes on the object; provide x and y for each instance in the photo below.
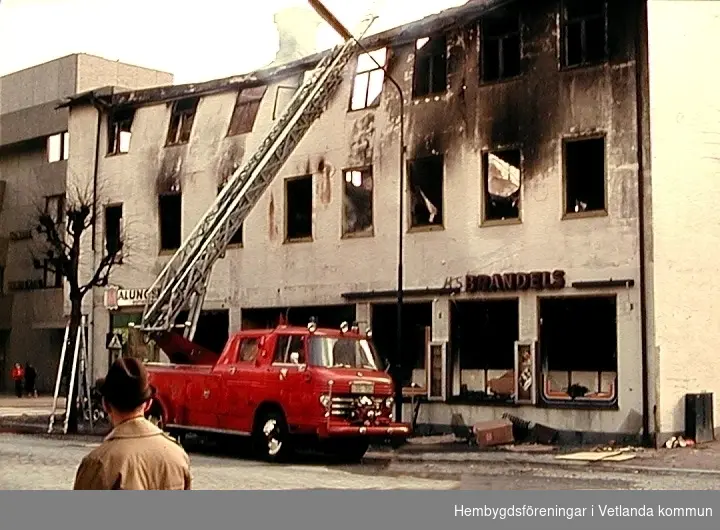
(125, 386)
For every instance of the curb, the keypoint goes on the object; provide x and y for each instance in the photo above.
(430, 458)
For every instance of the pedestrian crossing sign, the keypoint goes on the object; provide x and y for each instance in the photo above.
(115, 342)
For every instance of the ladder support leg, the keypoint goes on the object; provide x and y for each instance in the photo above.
(58, 379)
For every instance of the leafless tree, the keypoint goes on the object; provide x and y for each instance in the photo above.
(59, 252)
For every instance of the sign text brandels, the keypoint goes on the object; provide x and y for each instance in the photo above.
(515, 281)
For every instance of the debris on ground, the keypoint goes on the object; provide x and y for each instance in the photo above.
(529, 432)
(678, 441)
(496, 432)
(435, 439)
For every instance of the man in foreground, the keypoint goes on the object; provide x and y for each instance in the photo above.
(136, 455)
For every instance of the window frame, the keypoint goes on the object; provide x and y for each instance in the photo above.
(286, 217)
(64, 138)
(516, 13)
(60, 214)
(178, 115)
(247, 98)
(343, 218)
(433, 57)
(368, 73)
(412, 228)
(179, 194)
(121, 222)
(542, 400)
(604, 212)
(484, 185)
(563, 38)
(114, 143)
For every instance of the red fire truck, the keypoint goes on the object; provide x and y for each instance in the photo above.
(279, 386)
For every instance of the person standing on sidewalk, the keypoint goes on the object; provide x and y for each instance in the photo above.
(17, 374)
(30, 378)
(136, 455)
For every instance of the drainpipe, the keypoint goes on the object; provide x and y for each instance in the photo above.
(640, 41)
(91, 321)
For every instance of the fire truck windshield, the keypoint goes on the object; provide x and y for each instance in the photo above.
(344, 353)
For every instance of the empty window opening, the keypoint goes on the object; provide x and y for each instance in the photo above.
(578, 349)
(298, 208)
(482, 337)
(369, 79)
(119, 131)
(416, 326)
(181, 121)
(113, 229)
(245, 111)
(55, 208)
(237, 237)
(358, 202)
(584, 175)
(426, 191)
(500, 52)
(58, 147)
(52, 279)
(430, 72)
(501, 170)
(170, 208)
(584, 29)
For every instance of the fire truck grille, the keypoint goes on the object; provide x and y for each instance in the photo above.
(347, 408)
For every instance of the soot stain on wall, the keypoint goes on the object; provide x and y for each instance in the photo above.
(169, 177)
(362, 140)
(229, 161)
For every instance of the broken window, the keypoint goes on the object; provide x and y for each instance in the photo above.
(501, 172)
(426, 191)
(58, 147)
(298, 208)
(113, 229)
(430, 72)
(55, 208)
(181, 121)
(283, 96)
(500, 52)
(246, 109)
(119, 128)
(170, 209)
(358, 201)
(584, 32)
(483, 335)
(52, 279)
(369, 79)
(237, 238)
(584, 161)
(578, 349)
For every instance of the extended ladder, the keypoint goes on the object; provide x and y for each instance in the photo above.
(183, 281)
(78, 364)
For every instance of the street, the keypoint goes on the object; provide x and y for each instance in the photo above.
(32, 462)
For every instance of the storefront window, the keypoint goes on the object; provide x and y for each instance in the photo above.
(578, 350)
(483, 336)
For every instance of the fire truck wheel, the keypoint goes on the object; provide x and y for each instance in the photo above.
(272, 442)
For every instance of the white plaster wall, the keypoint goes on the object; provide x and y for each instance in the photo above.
(269, 272)
(685, 124)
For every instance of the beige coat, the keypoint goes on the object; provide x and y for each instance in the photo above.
(136, 455)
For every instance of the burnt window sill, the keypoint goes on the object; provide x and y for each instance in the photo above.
(601, 63)
(298, 240)
(374, 106)
(577, 405)
(233, 246)
(176, 144)
(588, 214)
(167, 251)
(501, 81)
(501, 222)
(359, 235)
(425, 228)
(118, 153)
(429, 97)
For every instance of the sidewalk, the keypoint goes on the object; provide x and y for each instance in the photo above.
(12, 406)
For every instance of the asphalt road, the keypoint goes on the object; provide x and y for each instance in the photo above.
(30, 462)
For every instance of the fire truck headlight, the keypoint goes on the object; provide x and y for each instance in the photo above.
(389, 402)
(325, 400)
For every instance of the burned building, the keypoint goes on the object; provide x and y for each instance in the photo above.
(546, 274)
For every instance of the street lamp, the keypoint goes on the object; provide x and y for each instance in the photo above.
(341, 30)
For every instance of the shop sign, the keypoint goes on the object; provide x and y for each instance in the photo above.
(508, 282)
(116, 297)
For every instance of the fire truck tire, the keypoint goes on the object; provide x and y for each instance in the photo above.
(271, 439)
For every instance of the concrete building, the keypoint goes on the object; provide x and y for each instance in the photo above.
(549, 273)
(34, 153)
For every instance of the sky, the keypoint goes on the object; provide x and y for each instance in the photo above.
(196, 41)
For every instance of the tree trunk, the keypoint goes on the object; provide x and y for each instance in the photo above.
(75, 322)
